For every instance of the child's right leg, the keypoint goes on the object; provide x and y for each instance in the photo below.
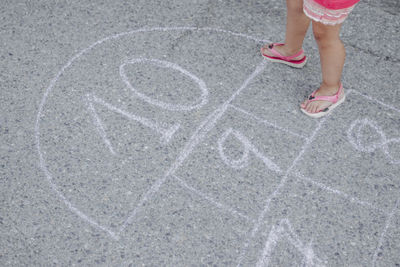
(297, 24)
(332, 55)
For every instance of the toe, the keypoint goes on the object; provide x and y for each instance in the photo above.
(313, 108)
(265, 49)
(316, 108)
(303, 104)
(308, 107)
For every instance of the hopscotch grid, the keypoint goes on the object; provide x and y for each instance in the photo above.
(219, 205)
(211, 118)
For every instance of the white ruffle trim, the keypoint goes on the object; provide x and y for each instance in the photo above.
(325, 15)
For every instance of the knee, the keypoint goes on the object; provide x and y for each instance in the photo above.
(294, 6)
(319, 34)
(324, 38)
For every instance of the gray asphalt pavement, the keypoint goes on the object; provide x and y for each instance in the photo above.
(152, 133)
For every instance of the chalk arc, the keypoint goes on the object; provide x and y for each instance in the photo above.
(158, 103)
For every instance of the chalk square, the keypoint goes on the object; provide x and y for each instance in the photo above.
(276, 98)
(221, 168)
(353, 138)
(323, 226)
(178, 226)
(388, 253)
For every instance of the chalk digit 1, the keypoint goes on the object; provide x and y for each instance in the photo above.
(166, 133)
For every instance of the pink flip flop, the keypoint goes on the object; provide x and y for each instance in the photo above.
(283, 59)
(333, 99)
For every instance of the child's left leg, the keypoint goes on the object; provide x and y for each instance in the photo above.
(332, 57)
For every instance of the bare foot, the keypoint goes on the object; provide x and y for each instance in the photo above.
(317, 106)
(282, 49)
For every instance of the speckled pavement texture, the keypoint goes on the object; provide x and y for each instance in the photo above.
(152, 133)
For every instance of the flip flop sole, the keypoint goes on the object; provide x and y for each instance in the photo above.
(294, 65)
(321, 113)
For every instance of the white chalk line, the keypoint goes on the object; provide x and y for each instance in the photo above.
(382, 237)
(306, 250)
(374, 100)
(165, 64)
(224, 207)
(383, 143)
(156, 186)
(54, 80)
(337, 192)
(263, 121)
(243, 162)
(99, 125)
(48, 90)
(277, 190)
(233, 163)
(278, 232)
(42, 161)
(248, 146)
(166, 134)
(74, 209)
(357, 144)
(272, 239)
(297, 174)
(289, 171)
(195, 139)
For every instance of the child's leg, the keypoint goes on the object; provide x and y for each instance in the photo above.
(332, 56)
(297, 24)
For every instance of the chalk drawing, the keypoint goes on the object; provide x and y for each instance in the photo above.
(248, 146)
(278, 189)
(373, 100)
(337, 192)
(99, 124)
(354, 135)
(195, 139)
(266, 122)
(166, 133)
(382, 237)
(200, 133)
(283, 230)
(165, 64)
(210, 199)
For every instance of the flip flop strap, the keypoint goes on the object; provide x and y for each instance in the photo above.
(276, 53)
(333, 99)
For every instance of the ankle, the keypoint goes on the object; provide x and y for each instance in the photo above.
(330, 87)
(290, 50)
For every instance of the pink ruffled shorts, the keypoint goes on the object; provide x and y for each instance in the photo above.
(319, 13)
